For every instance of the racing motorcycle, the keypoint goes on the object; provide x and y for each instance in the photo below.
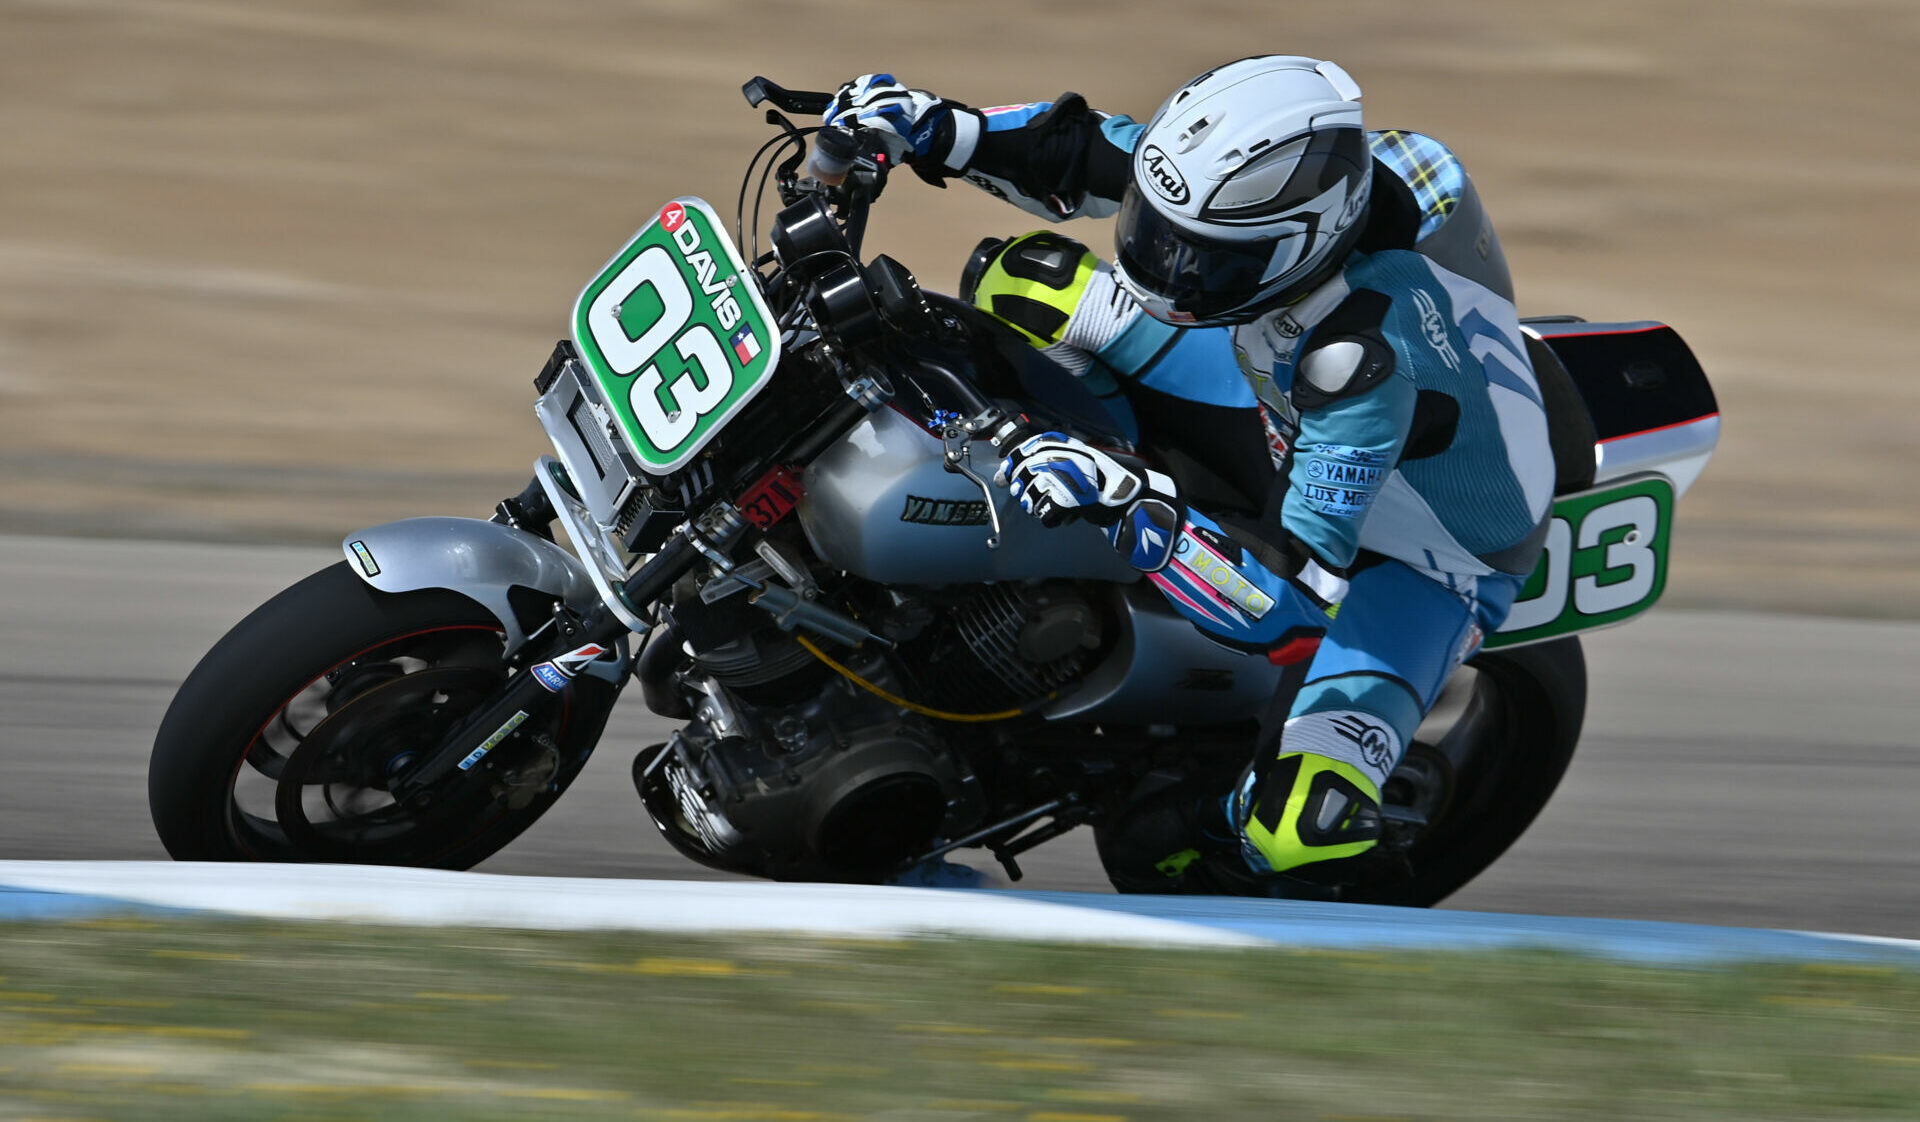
(772, 468)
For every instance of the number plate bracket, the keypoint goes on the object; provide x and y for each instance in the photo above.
(584, 434)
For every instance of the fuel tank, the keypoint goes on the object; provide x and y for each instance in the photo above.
(879, 504)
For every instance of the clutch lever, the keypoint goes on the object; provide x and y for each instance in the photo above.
(957, 435)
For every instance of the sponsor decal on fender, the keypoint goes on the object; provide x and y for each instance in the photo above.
(365, 556)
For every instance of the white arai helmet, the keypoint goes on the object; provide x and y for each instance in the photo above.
(1249, 186)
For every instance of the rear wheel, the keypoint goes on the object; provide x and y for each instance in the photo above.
(281, 743)
(1480, 771)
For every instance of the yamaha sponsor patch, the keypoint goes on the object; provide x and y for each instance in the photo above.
(1351, 475)
(944, 512)
(1341, 481)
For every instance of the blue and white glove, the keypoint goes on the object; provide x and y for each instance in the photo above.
(924, 123)
(1056, 478)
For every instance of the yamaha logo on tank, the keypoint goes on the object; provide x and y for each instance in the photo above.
(1164, 177)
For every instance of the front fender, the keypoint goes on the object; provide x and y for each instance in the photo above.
(480, 560)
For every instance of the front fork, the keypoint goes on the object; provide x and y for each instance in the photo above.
(578, 641)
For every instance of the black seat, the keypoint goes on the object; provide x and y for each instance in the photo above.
(1570, 429)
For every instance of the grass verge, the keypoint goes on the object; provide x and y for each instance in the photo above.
(196, 1019)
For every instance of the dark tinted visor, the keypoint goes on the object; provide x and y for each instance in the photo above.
(1198, 275)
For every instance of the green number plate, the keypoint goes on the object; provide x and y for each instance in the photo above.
(1606, 559)
(676, 334)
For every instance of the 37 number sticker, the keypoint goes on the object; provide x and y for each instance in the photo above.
(1605, 560)
(676, 335)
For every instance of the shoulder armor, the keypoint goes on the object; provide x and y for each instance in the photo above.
(1346, 355)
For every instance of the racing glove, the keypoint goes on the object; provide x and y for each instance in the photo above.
(925, 124)
(1055, 478)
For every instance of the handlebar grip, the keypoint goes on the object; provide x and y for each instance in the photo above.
(834, 151)
(1010, 435)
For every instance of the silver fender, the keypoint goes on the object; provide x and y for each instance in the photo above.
(479, 560)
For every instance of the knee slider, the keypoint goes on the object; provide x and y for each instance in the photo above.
(1031, 283)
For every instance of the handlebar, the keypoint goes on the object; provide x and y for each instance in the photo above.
(869, 154)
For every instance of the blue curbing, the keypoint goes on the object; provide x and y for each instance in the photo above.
(28, 905)
(1373, 927)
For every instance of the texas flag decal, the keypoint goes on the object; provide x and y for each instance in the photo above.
(745, 347)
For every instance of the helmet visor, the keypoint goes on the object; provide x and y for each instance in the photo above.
(1199, 276)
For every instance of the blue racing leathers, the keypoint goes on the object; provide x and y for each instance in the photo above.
(1406, 444)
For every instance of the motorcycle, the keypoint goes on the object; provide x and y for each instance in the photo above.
(772, 468)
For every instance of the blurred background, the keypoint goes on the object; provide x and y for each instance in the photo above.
(274, 269)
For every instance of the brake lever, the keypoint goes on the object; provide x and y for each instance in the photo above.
(805, 102)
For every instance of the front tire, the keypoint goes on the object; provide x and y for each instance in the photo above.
(278, 745)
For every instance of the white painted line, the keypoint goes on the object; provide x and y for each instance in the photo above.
(377, 894)
(1871, 940)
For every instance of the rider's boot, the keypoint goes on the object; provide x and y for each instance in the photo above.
(1164, 840)
(1306, 816)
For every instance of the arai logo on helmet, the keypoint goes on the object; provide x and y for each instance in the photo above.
(1164, 177)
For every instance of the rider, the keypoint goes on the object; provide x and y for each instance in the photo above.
(1314, 326)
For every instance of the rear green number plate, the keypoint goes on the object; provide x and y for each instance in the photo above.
(1606, 560)
(676, 334)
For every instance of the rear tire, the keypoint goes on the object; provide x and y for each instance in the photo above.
(1480, 778)
(277, 745)
(1515, 737)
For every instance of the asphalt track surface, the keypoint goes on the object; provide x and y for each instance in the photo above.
(1736, 769)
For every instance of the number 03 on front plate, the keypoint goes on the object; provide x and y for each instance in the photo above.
(676, 334)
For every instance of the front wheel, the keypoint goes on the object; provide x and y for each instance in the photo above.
(281, 743)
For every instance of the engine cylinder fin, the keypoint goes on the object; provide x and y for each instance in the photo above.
(976, 655)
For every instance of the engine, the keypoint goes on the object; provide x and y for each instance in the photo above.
(790, 770)
(1005, 645)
